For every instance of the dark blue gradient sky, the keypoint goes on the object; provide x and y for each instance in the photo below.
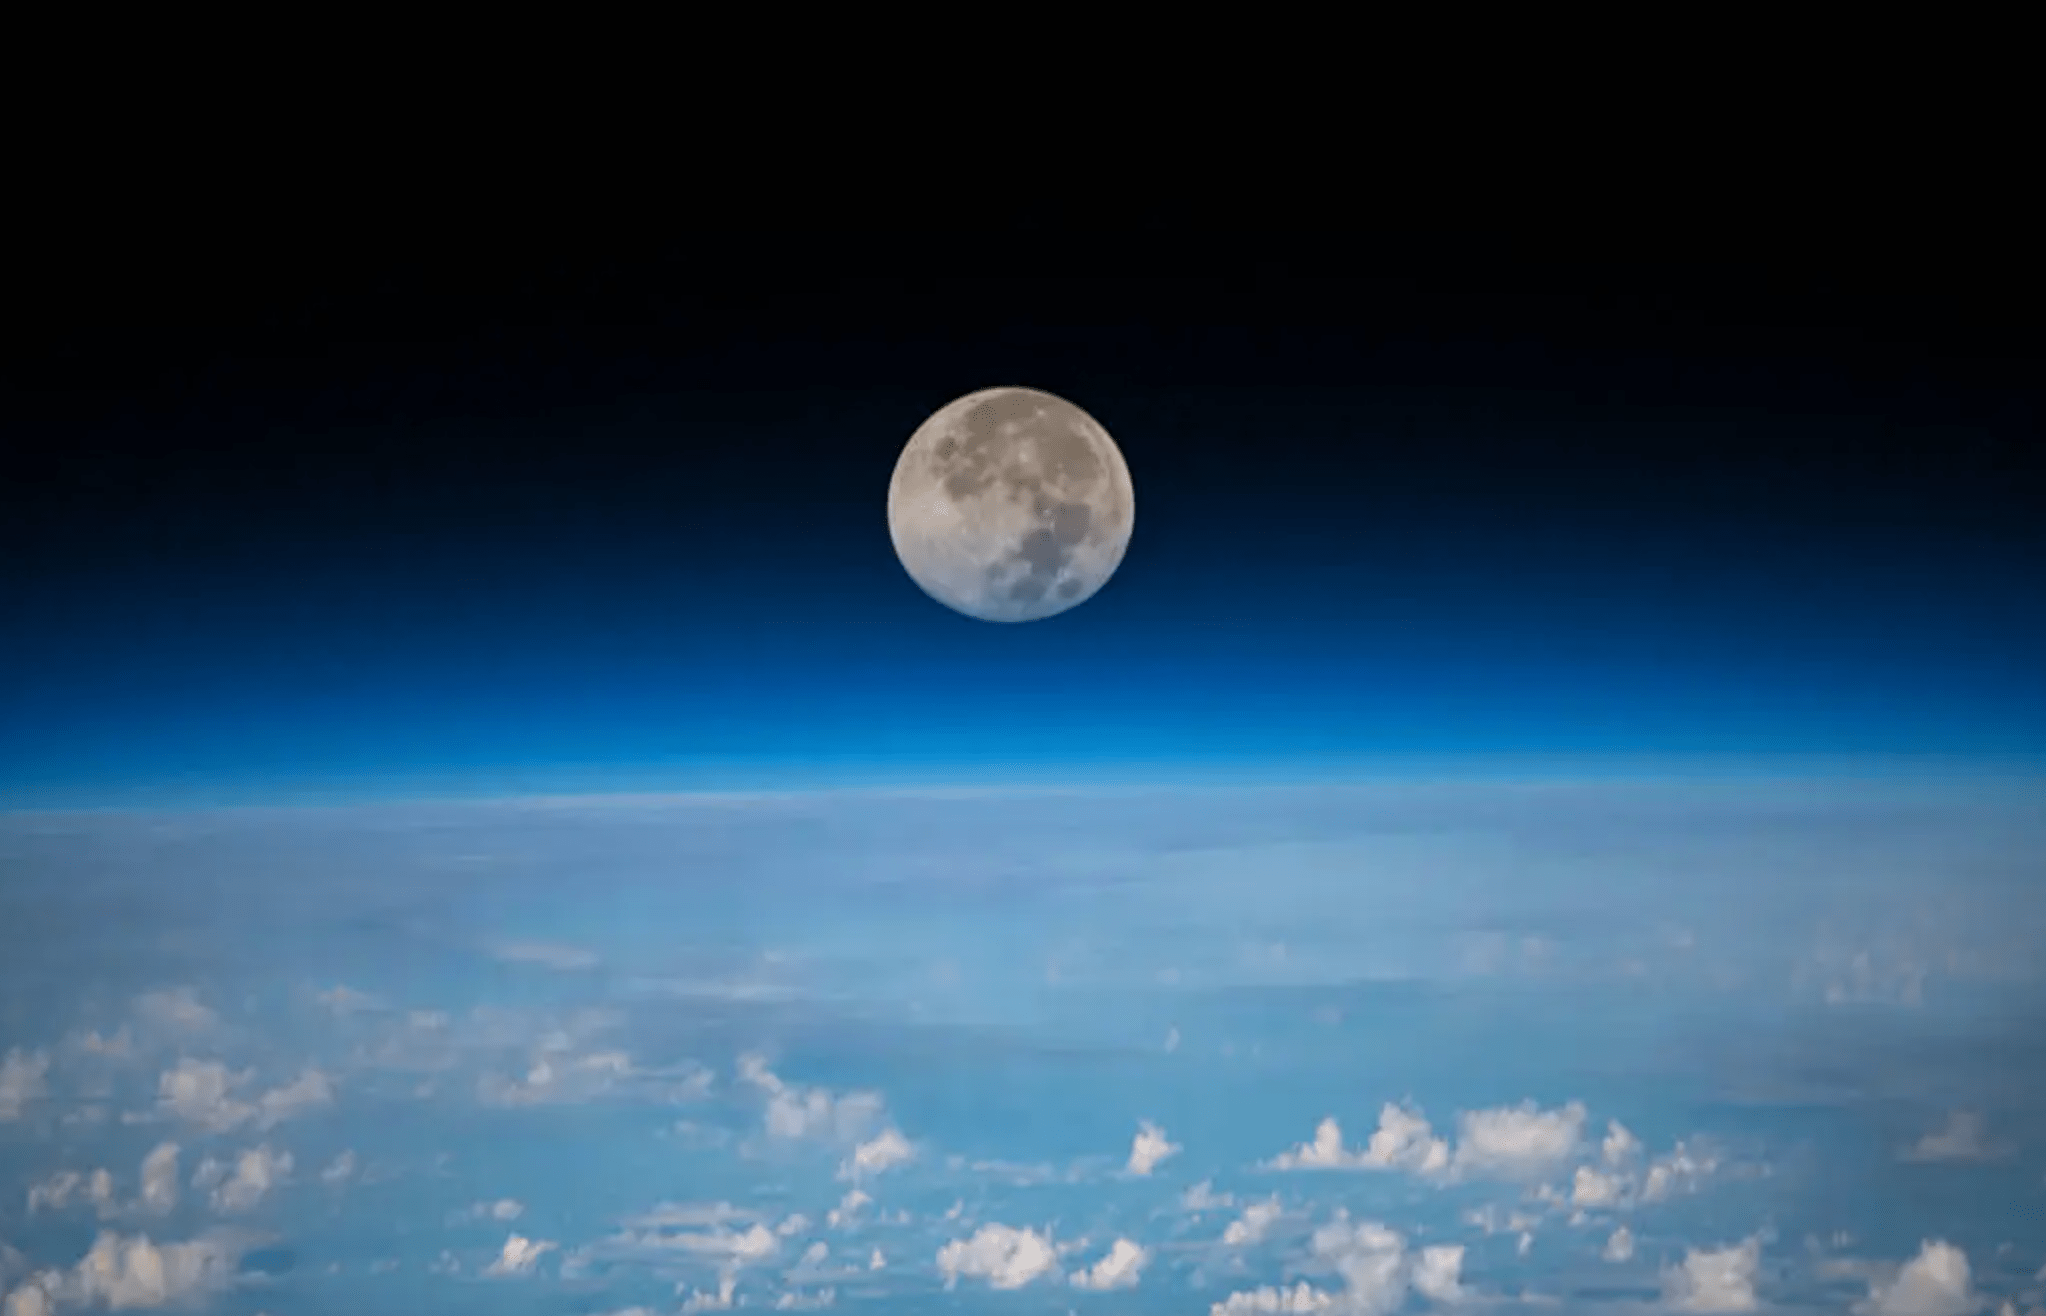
(505, 516)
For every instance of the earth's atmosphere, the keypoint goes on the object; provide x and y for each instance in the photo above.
(1592, 1046)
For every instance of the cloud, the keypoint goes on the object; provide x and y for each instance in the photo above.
(1149, 1149)
(1679, 1169)
(1620, 1247)
(1438, 1273)
(1256, 1221)
(1203, 1197)
(22, 1080)
(518, 1257)
(344, 1000)
(846, 1213)
(795, 1113)
(1591, 1189)
(1268, 1301)
(177, 1009)
(1006, 1258)
(1404, 1140)
(202, 1093)
(241, 1187)
(1936, 1282)
(60, 1190)
(339, 1170)
(1961, 1140)
(1619, 1146)
(1517, 1142)
(1714, 1281)
(1120, 1269)
(121, 1273)
(546, 954)
(883, 1152)
(503, 1209)
(160, 1178)
(1377, 1269)
(555, 1078)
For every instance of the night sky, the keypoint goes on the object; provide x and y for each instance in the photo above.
(479, 515)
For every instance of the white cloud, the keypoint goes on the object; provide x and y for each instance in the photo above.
(203, 1093)
(1120, 1269)
(122, 1273)
(1256, 1221)
(1203, 1197)
(546, 954)
(1517, 1141)
(1620, 1146)
(1936, 1282)
(1404, 1140)
(1714, 1281)
(160, 1178)
(503, 1209)
(240, 1187)
(722, 1300)
(175, 1008)
(847, 1211)
(1325, 1152)
(1620, 1247)
(60, 1190)
(1006, 1258)
(795, 1112)
(1592, 1189)
(1961, 1140)
(1677, 1170)
(308, 1091)
(339, 1170)
(1372, 1261)
(885, 1151)
(1149, 1149)
(518, 1257)
(22, 1080)
(199, 1092)
(1438, 1273)
(343, 1000)
(1301, 1298)
(557, 1078)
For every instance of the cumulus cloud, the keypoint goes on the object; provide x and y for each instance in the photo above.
(1714, 1281)
(518, 1256)
(1149, 1149)
(795, 1112)
(1962, 1139)
(1679, 1170)
(1203, 1197)
(1936, 1282)
(1301, 1298)
(176, 1009)
(204, 1093)
(245, 1183)
(503, 1209)
(1257, 1221)
(882, 1152)
(1006, 1258)
(1620, 1247)
(23, 1079)
(1591, 1189)
(123, 1273)
(160, 1178)
(556, 1078)
(339, 1170)
(66, 1187)
(1377, 1269)
(1438, 1273)
(1120, 1269)
(1517, 1142)
(1620, 1146)
(847, 1212)
(1404, 1140)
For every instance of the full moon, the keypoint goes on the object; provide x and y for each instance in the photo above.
(1010, 505)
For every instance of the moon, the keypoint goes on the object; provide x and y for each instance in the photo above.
(1010, 505)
